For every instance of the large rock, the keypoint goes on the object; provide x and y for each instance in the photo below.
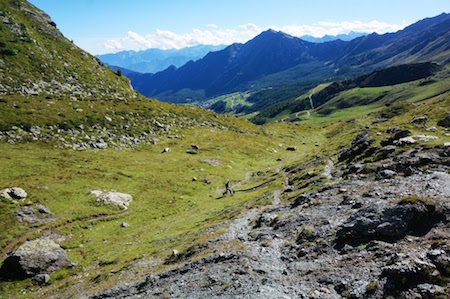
(40, 256)
(13, 193)
(116, 198)
(389, 223)
(445, 122)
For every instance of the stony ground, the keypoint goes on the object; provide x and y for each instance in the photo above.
(373, 230)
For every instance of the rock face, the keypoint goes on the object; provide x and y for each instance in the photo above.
(13, 194)
(40, 256)
(116, 198)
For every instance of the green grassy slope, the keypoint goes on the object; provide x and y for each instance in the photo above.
(349, 100)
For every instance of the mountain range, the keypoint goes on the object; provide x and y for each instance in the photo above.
(155, 60)
(275, 58)
(328, 38)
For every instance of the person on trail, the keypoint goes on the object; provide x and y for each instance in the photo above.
(228, 189)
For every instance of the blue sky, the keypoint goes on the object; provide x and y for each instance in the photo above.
(103, 26)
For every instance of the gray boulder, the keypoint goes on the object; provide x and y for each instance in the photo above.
(13, 194)
(116, 198)
(445, 122)
(40, 256)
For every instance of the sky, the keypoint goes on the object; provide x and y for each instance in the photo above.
(110, 26)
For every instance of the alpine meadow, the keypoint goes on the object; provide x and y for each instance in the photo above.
(281, 167)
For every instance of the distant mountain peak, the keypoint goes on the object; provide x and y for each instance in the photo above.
(273, 32)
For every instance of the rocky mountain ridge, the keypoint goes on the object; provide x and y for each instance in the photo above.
(156, 60)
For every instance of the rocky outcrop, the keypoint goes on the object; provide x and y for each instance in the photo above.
(116, 198)
(409, 269)
(37, 215)
(40, 256)
(358, 146)
(389, 224)
(396, 134)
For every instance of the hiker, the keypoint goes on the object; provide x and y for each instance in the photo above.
(228, 189)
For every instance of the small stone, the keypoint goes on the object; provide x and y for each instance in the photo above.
(194, 179)
(43, 210)
(405, 141)
(419, 120)
(124, 224)
(41, 279)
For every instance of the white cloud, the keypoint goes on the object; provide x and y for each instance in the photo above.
(113, 45)
(214, 35)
